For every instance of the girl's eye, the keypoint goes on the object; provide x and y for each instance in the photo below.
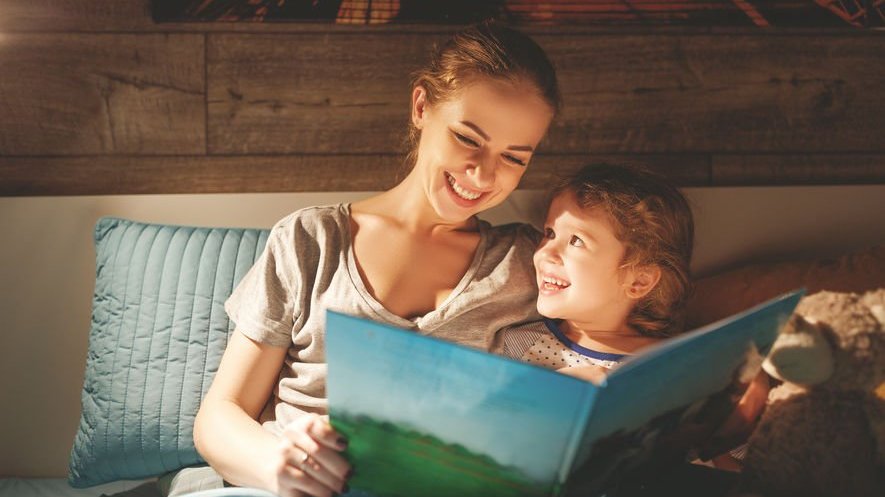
(467, 141)
(514, 160)
(576, 242)
(548, 233)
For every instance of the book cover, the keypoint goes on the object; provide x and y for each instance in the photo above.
(428, 417)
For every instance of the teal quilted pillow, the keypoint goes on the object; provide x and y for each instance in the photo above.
(158, 332)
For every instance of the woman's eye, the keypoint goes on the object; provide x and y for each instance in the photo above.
(467, 141)
(514, 160)
(576, 242)
(548, 233)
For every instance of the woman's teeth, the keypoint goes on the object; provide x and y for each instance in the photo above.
(555, 282)
(465, 194)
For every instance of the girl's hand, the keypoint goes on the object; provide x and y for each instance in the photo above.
(742, 421)
(308, 462)
(594, 374)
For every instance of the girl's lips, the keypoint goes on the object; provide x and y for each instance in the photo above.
(549, 285)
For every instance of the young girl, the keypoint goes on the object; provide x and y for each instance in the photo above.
(613, 276)
(415, 256)
(612, 271)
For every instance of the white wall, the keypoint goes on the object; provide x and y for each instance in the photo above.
(47, 271)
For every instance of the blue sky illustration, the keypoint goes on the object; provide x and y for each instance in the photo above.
(520, 415)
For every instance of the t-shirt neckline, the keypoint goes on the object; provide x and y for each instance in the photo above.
(377, 306)
(553, 326)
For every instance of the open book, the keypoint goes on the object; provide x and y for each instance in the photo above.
(431, 418)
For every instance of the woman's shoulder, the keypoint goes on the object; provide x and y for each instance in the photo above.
(311, 231)
(515, 234)
(312, 220)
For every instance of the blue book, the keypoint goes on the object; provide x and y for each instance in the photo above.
(425, 417)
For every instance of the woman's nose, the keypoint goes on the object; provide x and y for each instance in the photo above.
(482, 173)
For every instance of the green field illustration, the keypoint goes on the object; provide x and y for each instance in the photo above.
(392, 461)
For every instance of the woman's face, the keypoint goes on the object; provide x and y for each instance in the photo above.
(475, 146)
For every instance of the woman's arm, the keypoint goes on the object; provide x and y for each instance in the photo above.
(229, 437)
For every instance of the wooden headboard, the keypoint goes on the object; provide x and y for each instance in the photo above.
(95, 98)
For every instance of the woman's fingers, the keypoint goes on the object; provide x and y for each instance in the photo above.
(312, 467)
(309, 453)
(323, 433)
(295, 482)
(331, 466)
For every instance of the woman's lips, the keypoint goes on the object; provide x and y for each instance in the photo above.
(462, 196)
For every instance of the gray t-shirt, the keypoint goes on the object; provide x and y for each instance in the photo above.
(308, 266)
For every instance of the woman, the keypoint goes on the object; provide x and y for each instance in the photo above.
(415, 256)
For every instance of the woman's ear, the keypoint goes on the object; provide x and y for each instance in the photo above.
(641, 280)
(419, 106)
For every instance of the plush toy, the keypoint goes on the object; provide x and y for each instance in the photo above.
(823, 430)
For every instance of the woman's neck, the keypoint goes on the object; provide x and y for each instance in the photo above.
(407, 205)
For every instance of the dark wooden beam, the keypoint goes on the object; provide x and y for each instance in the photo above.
(113, 175)
(806, 169)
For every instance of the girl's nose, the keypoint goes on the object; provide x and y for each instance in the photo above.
(548, 251)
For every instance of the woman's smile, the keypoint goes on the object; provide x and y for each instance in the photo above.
(466, 196)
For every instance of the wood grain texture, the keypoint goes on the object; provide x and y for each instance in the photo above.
(93, 92)
(107, 175)
(798, 170)
(310, 94)
(112, 175)
(74, 15)
(654, 94)
(101, 94)
(623, 94)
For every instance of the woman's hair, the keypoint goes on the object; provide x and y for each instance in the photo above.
(654, 222)
(486, 50)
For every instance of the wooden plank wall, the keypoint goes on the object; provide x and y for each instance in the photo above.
(95, 98)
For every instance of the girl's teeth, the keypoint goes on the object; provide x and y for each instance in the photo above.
(465, 194)
(555, 282)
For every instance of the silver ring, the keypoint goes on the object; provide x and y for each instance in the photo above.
(304, 460)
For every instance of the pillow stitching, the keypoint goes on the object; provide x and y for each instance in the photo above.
(169, 341)
(152, 329)
(232, 283)
(189, 328)
(100, 242)
(107, 444)
(132, 352)
(209, 322)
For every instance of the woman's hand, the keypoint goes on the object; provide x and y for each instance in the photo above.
(308, 462)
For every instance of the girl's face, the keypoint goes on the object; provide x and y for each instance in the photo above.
(579, 267)
(475, 146)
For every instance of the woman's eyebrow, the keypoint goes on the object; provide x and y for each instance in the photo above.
(476, 128)
(480, 132)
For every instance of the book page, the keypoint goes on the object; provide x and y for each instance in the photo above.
(661, 400)
(427, 417)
